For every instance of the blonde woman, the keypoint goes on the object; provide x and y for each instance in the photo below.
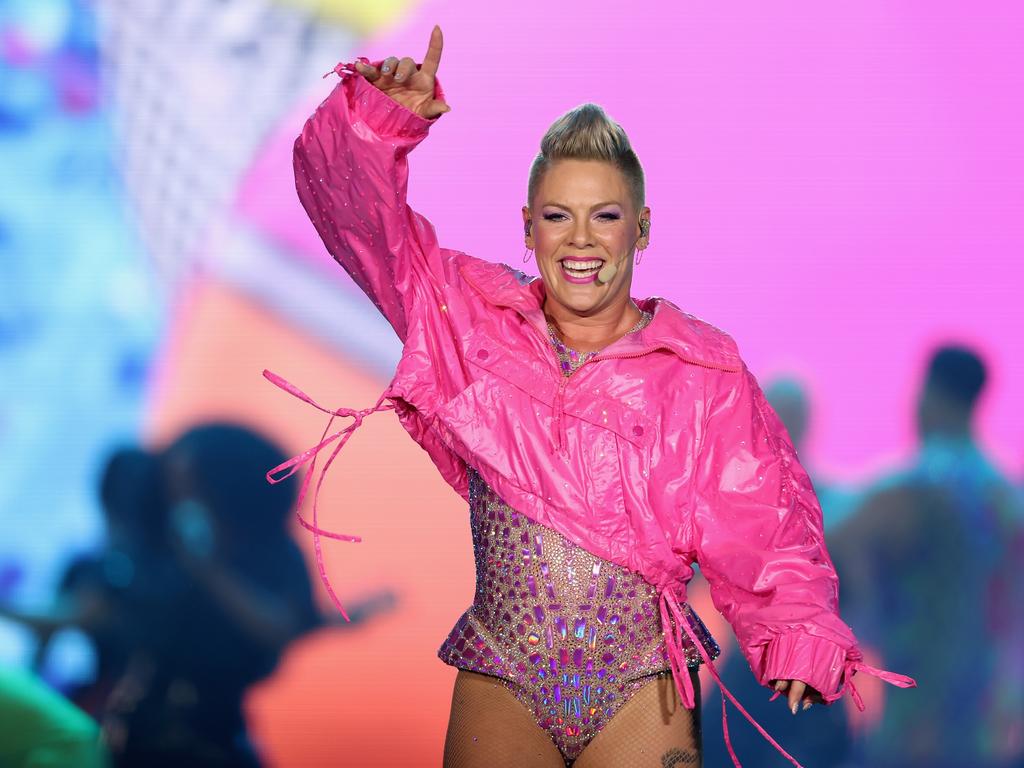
(603, 443)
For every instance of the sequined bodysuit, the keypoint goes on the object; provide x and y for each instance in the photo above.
(571, 635)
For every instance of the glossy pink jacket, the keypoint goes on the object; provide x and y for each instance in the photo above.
(659, 452)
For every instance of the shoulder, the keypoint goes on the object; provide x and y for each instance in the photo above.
(490, 272)
(696, 340)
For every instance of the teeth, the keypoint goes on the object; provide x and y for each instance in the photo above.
(581, 266)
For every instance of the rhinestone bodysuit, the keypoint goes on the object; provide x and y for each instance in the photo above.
(571, 635)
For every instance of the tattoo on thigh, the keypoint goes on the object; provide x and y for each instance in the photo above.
(677, 756)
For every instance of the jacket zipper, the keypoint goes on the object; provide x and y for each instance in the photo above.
(560, 436)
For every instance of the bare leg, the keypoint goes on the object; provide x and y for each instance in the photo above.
(652, 729)
(490, 728)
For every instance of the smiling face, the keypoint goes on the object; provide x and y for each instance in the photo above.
(583, 217)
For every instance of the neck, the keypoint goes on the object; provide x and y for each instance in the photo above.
(585, 333)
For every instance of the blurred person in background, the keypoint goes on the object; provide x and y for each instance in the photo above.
(928, 575)
(789, 397)
(240, 595)
(103, 593)
(194, 597)
(822, 739)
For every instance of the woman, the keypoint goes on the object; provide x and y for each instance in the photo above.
(603, 443)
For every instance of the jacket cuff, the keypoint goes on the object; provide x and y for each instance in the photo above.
(799, 656)
(384, 115)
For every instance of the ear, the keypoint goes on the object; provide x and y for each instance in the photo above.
(528, 226)
(644, 240)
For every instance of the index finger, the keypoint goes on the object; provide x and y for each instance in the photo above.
(433, 57)
(796, 692)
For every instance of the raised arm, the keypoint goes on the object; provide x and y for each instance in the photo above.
(351, 173)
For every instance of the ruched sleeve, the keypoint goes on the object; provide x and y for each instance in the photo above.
(351, 173)
(759, 541)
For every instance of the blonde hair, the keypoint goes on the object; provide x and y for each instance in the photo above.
(588, 133)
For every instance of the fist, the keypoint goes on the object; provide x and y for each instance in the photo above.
(409, 85)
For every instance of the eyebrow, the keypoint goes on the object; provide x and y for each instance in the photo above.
(593, 207)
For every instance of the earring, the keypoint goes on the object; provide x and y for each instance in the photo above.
(645, 227)
(528, 251)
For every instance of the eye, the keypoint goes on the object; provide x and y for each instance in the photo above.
(608, 216)
(554, 216)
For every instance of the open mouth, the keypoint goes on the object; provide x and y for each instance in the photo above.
(580, 269)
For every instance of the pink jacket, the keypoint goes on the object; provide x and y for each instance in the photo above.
(659, 452)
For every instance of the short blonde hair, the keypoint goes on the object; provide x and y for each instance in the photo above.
(588, 133)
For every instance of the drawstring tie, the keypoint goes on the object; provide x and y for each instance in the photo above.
(309, 456)
(670, 606)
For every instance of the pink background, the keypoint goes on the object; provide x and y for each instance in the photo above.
(839, 186)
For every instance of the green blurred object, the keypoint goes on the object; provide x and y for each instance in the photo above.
(39, 728)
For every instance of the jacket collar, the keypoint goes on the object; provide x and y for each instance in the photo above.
(691, 339)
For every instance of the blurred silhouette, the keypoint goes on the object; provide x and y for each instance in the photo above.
(927, 581)
(197, 592)
(100, 592)
(819, 736)
(227, 591)
(788, 397)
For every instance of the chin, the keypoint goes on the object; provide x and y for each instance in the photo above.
(579, 303)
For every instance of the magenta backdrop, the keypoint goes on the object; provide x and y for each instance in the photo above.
(839, 186)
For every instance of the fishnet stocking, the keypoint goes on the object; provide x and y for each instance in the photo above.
(490, 728)
(652, 729)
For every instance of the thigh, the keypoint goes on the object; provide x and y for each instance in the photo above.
(490, 728)
(652, 729)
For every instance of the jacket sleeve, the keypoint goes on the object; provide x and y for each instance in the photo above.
(351, 173)
(759, 541)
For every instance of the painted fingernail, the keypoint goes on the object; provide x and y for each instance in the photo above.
(807, 705)
(385, 68)
(793, 708)
(399, 76)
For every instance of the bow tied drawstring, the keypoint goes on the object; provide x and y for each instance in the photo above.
(309, 456)
(346, 68)
(856, 664)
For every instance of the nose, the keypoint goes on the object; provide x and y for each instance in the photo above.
(580, 234)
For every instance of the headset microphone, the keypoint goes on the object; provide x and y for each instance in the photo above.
(608, 271)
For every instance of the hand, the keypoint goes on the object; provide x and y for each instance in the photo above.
(798, 690)
(410, 86)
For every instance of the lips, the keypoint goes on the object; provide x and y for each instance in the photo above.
(581, 270)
